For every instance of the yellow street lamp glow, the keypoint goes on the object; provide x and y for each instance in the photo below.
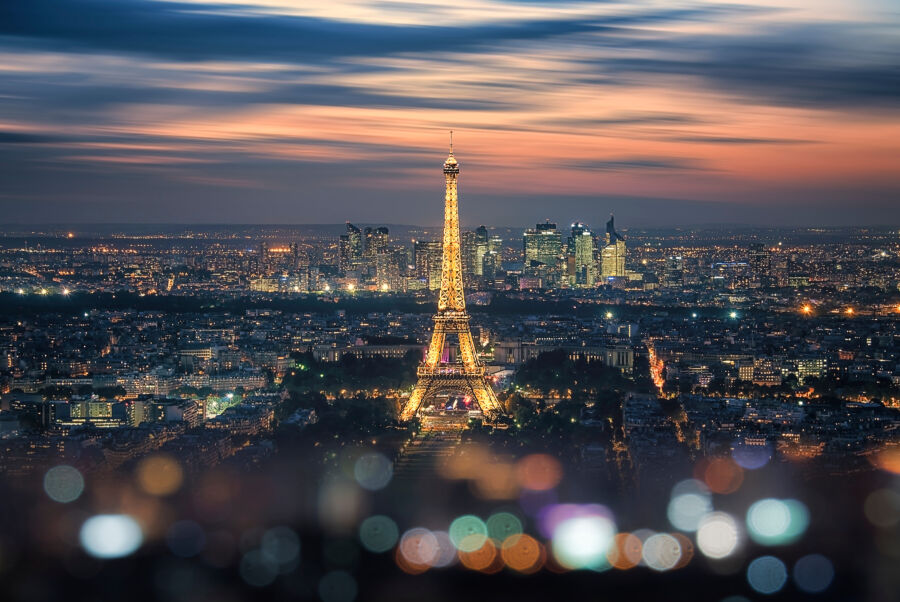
(733, 314)
(385, 287)
(351, 287)
(609, 315)
(43, 291)
(807, 309)
(65, 291)
(849, 311)
(20, 291)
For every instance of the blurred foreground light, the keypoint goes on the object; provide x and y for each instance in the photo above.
(503, 524)
(538, 472)
(160, 475)
(766, 575)
(882, 508)
(110, 535)
(63, 484)
(686, 510)
(523, 553)
(282, 546)
(661, 552)
(751, 457)
(888, 460)
(626, 551)
(338, 586)
(813, 573)
(485, 559)
(717, 535)
(468, 533)
(419, 547)
(723, 475)
(186, 538)
(373, 471)
(378, 534)
(775, 522)
(583, 542)
(257, 569)
(446, 550)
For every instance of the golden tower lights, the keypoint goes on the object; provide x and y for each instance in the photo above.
(466, 375)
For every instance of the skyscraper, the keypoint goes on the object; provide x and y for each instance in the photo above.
(760, 264)
(481, 247)
(581, 247)
(350, 250)
(612, 256)
(428, 262)
(542, 246)
(376, 241)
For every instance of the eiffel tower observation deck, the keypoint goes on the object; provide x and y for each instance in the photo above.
(466, 376)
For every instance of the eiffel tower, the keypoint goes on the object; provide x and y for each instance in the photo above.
(467, 374)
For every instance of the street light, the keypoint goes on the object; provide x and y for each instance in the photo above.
(733, 315)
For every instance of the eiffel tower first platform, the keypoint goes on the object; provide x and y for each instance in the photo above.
(467, 375)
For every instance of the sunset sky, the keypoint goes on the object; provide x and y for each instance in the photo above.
(666, 112)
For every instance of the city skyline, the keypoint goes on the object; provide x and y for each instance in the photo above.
(192, 112)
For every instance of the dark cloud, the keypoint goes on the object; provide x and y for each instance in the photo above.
(808, 65)
(25, 138)
(205, 32)
(634, 163)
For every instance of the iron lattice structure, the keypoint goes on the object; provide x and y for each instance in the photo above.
(467, 375)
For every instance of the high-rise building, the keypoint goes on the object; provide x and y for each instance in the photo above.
(376, 241)
(428, 262)
(673, 272)
(481, 247)
(350, 250)
(760, 263)
(542, 247)
(612, 256)
(581, 247)
(543, 244)
(468, 248)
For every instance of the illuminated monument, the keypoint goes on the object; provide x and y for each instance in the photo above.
(467, 374)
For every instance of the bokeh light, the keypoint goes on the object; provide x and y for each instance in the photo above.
(419, 547)
(338, 586)
(63, 484)
(373, 471)
(523, 553)
(686, 510)
(159, 474)
(468, 533)
(813, 573)
(723, 475)
(111, 535)
(776, 522)
(626, 551)
(718, 535)
(282, 546)
(185, 538)
(583, 542)
(767, 575)
(750, 456)
(446, 554)
(538, 472)
(503, 524)
(882, 508)
(378, 533)
(485, 558)
(661, 552)
(257, 569)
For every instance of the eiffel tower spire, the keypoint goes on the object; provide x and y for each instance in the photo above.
(466, 375)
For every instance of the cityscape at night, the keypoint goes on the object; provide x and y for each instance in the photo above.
(505, 300)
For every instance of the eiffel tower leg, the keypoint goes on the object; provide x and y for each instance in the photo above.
(415, 400)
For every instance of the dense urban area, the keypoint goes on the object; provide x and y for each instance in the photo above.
(630, 355)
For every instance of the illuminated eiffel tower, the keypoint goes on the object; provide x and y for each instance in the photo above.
(467, 374)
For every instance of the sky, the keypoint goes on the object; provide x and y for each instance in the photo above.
(665, 112)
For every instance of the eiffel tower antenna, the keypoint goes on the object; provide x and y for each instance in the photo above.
(466, 376)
